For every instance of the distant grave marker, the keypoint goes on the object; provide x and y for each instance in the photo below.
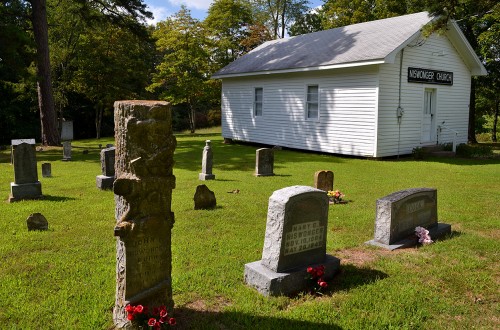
(106, 179)
(296, 230)
(36, 221)
(46, 170)
(399, 213)
(323, 180)
(145, 147)
(204, 198)
(207, 162)
(264, 162)
(66, 151)
(67, 130)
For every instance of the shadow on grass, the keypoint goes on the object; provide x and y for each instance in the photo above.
(352, 276)
(195, 319)
(51, 198)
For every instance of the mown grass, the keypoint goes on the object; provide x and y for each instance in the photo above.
(65, 277)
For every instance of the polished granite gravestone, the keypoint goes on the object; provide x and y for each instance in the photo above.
(399, 213)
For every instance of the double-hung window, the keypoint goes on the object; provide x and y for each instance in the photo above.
(312, 102)
(257, 101)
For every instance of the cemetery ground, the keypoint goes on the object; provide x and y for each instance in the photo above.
(65, 277)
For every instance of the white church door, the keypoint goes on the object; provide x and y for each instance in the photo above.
(429, 114)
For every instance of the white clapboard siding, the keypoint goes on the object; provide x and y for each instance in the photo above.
(347, 107)
(452, 101)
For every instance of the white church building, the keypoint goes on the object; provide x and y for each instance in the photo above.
(372, 89)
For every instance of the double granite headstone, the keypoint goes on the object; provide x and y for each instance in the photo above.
(399, 213)
(26, 184)
(106, 179)
(296, 230)
(145, 147)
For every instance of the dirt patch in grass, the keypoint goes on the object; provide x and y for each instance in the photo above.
(363, 256)
(201, 305)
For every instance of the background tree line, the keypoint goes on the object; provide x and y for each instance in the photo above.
(99, 51)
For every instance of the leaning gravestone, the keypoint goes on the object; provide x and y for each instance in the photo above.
(66, 150)
(399, 213)
(207, 162)
(26, 184)
(145, 147)
(46, 170)
(323, 180)
(204, 198)
(36, 221)
(106, 179)
(297, 225)
(264, 162)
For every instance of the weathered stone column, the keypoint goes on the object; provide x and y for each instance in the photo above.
(143, 193)
(207, 162)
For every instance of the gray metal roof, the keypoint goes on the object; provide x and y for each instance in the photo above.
(355, 44)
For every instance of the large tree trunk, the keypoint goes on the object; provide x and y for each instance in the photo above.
(472, 112)
(50, 133)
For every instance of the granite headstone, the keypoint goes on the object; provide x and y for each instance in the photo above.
(26, 184)
(398, 214)
(296, 231)
(264, 162)
(105, 180)
(46, 170)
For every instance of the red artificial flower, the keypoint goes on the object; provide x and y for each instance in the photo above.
(322, 284)
(152, 322)
(130, 317)
(163, 319)
(172, 321)
(138, 309)
(156, 311)
(320, 273)
(163, 313)
(157, 326)
(129, 308)
(310, 270)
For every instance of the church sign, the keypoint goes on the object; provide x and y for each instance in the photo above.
(428, 76)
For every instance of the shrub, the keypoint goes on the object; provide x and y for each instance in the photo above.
(474, 150)
(418, 153)
(214, 117)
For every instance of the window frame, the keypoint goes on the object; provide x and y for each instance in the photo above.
(308, 102)
(255, 114)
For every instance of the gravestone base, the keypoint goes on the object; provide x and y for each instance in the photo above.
(104, 182)
(66, 159)
(436, 232)
(266, 174)
(20, 191)
(204, 176)
(271, 283)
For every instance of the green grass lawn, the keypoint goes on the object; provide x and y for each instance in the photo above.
(65, 278)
